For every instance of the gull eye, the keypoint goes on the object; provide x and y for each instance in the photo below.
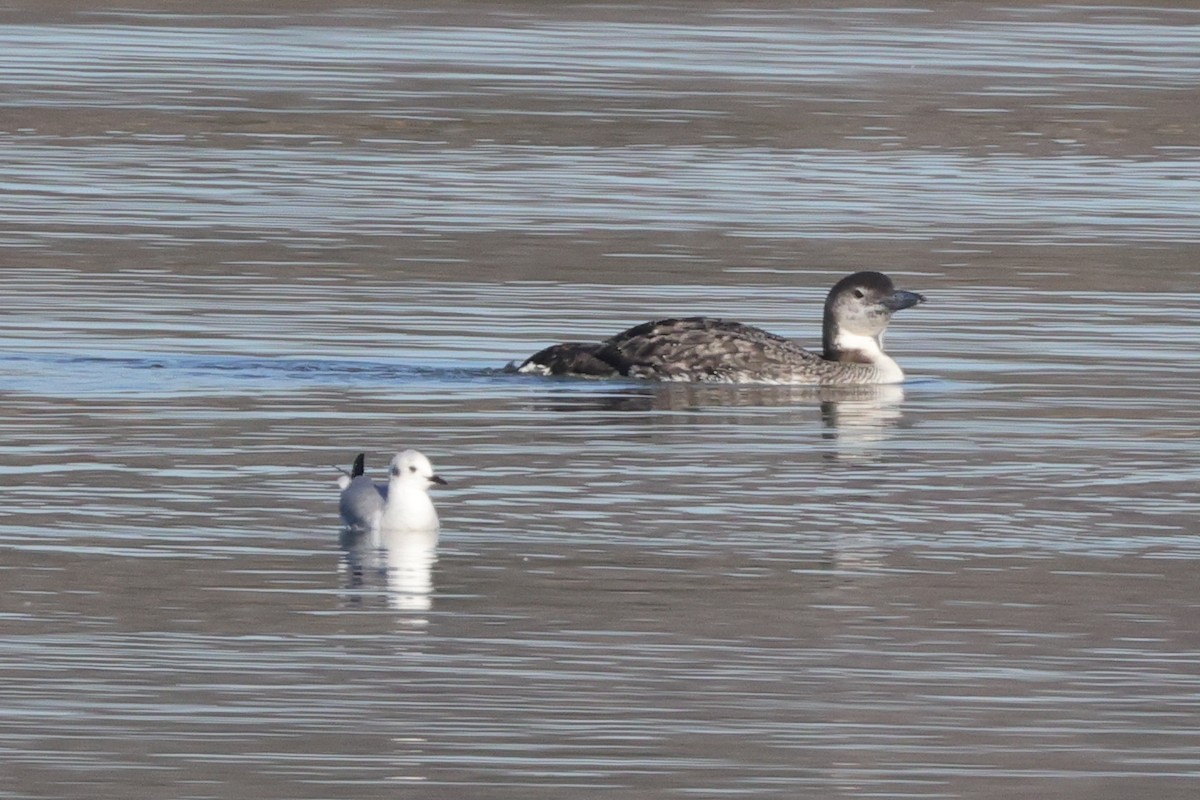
(859, 294)
(412, 469)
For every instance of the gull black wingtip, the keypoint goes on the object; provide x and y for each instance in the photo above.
(355, 471)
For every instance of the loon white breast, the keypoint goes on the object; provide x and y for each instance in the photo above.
(857, 312)
(402, 503)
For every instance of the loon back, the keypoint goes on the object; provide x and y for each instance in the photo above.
(579, 359)
(705, 349)
(701, 349)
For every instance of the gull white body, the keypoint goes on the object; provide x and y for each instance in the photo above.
(403, 503)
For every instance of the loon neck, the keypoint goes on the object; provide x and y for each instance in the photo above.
(853, 348)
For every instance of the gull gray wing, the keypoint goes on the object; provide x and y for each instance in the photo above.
(361, 503)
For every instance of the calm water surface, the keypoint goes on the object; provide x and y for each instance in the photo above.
(237, 250)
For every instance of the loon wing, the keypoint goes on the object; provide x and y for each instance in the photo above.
(700, 348)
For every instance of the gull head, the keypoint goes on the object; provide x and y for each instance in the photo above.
(413, 468)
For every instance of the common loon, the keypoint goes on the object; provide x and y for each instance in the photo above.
(857, 312)
(402, 504)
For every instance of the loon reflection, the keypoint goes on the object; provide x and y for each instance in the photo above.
(855, 421)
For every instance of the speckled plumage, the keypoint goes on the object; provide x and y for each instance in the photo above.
(708, 349)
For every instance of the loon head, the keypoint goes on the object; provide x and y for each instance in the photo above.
(413, 468)
(857, 312)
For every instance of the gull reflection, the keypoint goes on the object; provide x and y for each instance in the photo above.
(401, 560)
(410, 556)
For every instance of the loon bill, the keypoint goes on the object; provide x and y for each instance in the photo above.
(707, 349)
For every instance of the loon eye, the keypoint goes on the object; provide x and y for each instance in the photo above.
(859, 294)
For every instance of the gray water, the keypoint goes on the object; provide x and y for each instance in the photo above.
(240, 248)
